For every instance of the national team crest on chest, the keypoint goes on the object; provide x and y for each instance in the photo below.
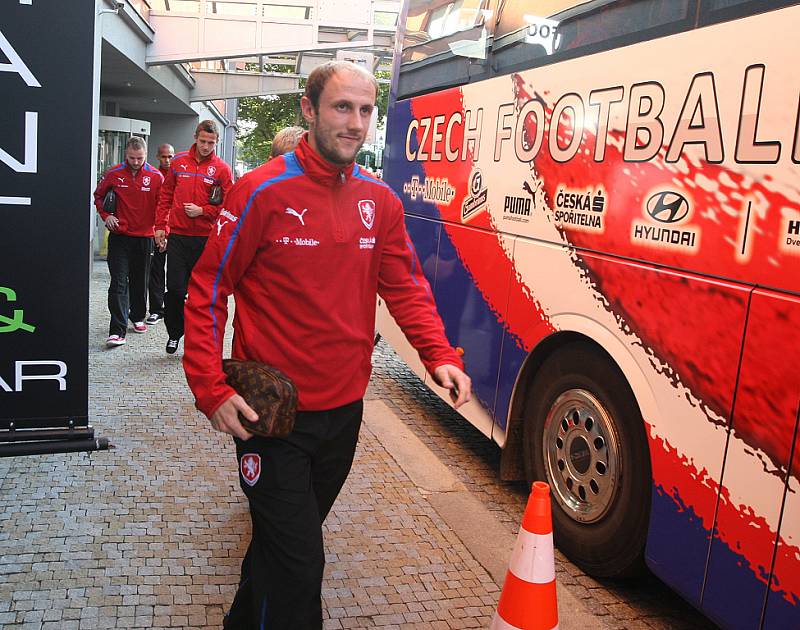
(366, 208)
(211, 170)
(250, 467)
(146, 180)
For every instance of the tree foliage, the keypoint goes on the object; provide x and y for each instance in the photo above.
(366, 157)
(261, 117)
(382, 101)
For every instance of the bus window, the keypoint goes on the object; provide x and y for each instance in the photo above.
(712, 11)
(532, 34)
(524, 34)
(444, 44)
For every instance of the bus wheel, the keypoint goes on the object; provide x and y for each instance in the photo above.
(584, 435)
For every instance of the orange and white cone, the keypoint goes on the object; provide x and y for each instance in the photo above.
(528, 600)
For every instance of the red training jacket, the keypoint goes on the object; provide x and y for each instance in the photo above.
(190, 181)
(164, 172)
(305, 247)
(137, 197)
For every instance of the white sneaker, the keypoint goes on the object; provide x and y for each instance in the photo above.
(115, 340)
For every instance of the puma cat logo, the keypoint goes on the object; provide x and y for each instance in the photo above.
(294, 213)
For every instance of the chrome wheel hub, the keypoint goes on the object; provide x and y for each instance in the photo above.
(581, 455)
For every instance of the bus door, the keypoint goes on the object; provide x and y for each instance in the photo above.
(743, 567)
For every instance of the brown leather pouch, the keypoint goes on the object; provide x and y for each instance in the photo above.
(270, 393)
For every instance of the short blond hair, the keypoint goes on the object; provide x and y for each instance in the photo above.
(135, 143)
(286, 140)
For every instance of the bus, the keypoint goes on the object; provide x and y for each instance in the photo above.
(604, 196)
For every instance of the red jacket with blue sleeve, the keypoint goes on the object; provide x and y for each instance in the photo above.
(190, 180)
(137, 197)
(305, 248)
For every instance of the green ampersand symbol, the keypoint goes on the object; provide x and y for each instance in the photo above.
(13, 323)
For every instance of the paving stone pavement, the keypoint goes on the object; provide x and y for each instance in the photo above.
(641, 604)
(151, 534)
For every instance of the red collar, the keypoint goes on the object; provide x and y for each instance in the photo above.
(317, 167)
(130, 170)
(193, 153)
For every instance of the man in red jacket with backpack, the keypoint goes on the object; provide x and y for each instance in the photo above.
(193, 193)
(305, 243)
(136, 186)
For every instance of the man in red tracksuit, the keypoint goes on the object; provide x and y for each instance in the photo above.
(156, 284)
(188, 209)
(130, 242)
(305, 243)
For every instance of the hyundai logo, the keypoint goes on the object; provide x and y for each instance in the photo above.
(667, 207)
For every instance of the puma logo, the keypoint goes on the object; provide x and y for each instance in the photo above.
(294, 213)
(527, 187)
(220, 224)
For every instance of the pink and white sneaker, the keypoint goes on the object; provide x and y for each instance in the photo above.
(139, 327)
(114, 341)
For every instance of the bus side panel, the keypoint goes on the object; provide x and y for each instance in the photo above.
(654, 317)
(408, 177)
(397, 171)
(478, 267)
(626, 307)
(425, 236)
(513, 359)
(783, 608)
(764, 422)
(634, 312)
(469, 320)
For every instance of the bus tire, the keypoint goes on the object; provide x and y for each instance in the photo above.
(584, 435)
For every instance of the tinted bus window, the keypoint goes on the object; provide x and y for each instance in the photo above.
(532, 34)
(721, 10)
(444, 44)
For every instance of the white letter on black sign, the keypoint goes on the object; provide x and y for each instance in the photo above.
(31, 135)
(16, 64)
(58, 377)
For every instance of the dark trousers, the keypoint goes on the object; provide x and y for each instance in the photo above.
(300, 478)
(183, 252)
(155, 284)
(128, 263)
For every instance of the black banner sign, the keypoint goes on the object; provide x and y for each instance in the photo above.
(46, 74)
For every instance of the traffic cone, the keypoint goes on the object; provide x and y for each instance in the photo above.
(528, 600)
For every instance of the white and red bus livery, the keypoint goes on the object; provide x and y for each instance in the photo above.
(605, 198)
